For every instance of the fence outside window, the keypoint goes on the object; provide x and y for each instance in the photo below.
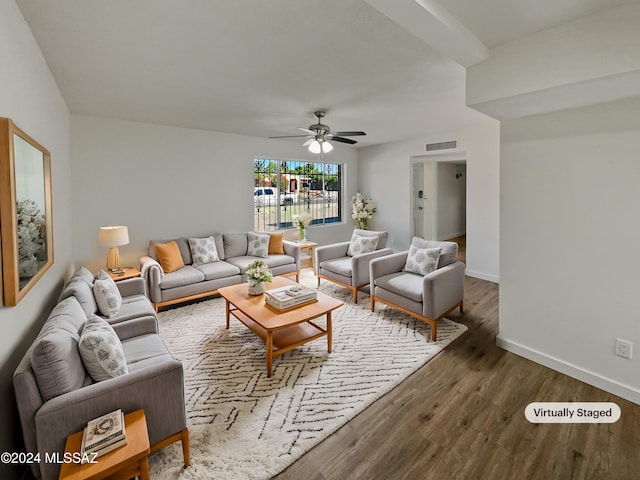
(284, 188)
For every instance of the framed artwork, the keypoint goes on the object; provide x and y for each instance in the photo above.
(25, 212)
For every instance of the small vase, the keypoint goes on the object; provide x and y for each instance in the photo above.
(302, 234)
(257, 288)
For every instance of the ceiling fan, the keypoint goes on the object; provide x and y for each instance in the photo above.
(319, 135)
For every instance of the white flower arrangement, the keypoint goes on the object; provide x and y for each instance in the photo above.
(258, 272)
(31, 237)
(362, 210)
(301, 220)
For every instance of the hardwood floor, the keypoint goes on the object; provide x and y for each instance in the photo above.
(461, 416)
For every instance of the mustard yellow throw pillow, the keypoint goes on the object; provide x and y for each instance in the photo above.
(169, 256)
(275, 243)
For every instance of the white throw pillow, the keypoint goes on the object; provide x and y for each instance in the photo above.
(360, 244)
(203, 250)
(422, 260)
(107, 295)
(101, 350)
(258, 244)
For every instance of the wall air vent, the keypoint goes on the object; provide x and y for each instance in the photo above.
(441, 145)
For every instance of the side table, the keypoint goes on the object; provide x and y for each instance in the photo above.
(124, 462)
(310, 247)
(123, 273)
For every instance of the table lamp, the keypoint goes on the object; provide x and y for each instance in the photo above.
(113, 237)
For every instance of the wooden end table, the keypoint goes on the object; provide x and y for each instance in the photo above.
(124, 274)
(284, 330)
(123, 463)
(310, 247)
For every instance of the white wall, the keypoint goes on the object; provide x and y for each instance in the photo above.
(385, 174)
(30, 97)
(452, 221)
(569, 236)
(166, 182)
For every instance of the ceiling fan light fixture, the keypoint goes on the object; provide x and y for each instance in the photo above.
(314, 146)
(326, 147)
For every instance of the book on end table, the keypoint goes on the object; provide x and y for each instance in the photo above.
(104, 434)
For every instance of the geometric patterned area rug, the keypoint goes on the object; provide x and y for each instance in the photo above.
(243, 425)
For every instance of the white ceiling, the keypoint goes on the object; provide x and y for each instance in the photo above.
(261, 68)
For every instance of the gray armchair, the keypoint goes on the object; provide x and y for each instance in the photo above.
(350, 269)
(427, 297)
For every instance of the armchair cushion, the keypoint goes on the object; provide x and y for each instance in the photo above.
(341, 266)
(101, 350)
(360, 244)
(402, 283)
(422, 260)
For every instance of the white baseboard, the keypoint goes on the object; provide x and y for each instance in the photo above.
(482, 276)
(573, 371)
(449, 236)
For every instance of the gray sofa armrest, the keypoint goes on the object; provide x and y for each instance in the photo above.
(360, 265)
(69, 413)
(293, 250)
(135, 327)
(442, 289)
(152, 273)
(131, 286)
(386, 265)
(327, 252)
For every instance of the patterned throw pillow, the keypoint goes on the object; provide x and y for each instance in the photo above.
(101, 350)
(258, 244)
(107, 295)
(360, 244)
(422, 260)
(203, 250)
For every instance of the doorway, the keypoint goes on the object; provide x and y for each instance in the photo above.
(439, 191)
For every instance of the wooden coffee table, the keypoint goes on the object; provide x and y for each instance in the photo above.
(283, 330)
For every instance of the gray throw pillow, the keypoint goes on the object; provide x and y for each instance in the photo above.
(360, 244)
(101, 350)
(107, 295)
(258, 244)
(203, 250)
(422, 260)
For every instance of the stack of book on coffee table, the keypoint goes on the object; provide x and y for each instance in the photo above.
(104, 434)
(285, 298)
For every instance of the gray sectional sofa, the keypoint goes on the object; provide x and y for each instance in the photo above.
(55, 386)
(193, 281)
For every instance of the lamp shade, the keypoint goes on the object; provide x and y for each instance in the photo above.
(314, 147)
(113, 236)
(326, 147)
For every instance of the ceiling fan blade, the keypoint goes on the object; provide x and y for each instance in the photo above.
(310, 132)
(347, 134)
(308, 142)
(343, 140)
(291, 136)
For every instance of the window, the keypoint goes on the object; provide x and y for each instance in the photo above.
(284, 188)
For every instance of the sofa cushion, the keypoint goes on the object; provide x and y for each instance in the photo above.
(144, 350)
(83, 291)
(55, 358)
(83, 274)
(341, 266)
(203, 250)
(258, 244)
(271, 261)
(360, 244)
(181, 277)
(422, 260)
(235, 244)
(448, 255)
(101, 350)
(276, 245)
(403, 283)
(169, 256)
(133, 306)
(215, 270)
(107, 294)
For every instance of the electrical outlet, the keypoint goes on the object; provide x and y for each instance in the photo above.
(623, 348)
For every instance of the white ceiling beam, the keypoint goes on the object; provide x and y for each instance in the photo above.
(434, 25)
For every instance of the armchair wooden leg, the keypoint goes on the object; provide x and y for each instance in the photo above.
(355, 295)
(434, 330)
(373, 303)
(461, 307)
(186, 452)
